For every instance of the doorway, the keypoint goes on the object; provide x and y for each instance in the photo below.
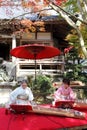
(4, 51)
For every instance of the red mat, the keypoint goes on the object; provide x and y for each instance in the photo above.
(33, 121)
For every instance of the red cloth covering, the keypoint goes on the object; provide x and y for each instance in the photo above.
(60, 103)
(33, 121)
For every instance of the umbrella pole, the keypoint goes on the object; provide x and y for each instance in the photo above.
(35, 71)
(35, 68)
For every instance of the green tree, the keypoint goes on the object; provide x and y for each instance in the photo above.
(73, 66)
(73, 40)
(42, 88)
(72, 19)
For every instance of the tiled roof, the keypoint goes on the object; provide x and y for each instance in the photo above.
(44, 18)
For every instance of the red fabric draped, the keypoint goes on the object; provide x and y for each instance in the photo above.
(32, 121)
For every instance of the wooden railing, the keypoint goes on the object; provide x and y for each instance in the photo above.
(53, 66)
(81, 91)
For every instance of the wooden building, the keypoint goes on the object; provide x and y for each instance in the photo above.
(54, 35)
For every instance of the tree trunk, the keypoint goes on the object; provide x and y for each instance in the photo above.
(73, 24)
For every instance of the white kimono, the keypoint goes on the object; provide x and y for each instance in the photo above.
(19, 93)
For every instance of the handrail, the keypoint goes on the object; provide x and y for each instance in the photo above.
(79, 87)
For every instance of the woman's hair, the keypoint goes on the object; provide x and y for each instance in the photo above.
(24, 81)
(66, 81)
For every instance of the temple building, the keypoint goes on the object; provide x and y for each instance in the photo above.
(53, 34)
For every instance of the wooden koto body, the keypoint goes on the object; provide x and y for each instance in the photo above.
(48, 111)
(59, 112)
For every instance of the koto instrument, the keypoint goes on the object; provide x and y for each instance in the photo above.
(59, 112)
(64, 104)
(48, 111)
(80, 105)
(77, 105)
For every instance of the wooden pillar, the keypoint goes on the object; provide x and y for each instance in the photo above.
(13, 46)
(14, 58)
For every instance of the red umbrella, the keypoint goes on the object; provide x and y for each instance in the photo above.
(35, 51)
